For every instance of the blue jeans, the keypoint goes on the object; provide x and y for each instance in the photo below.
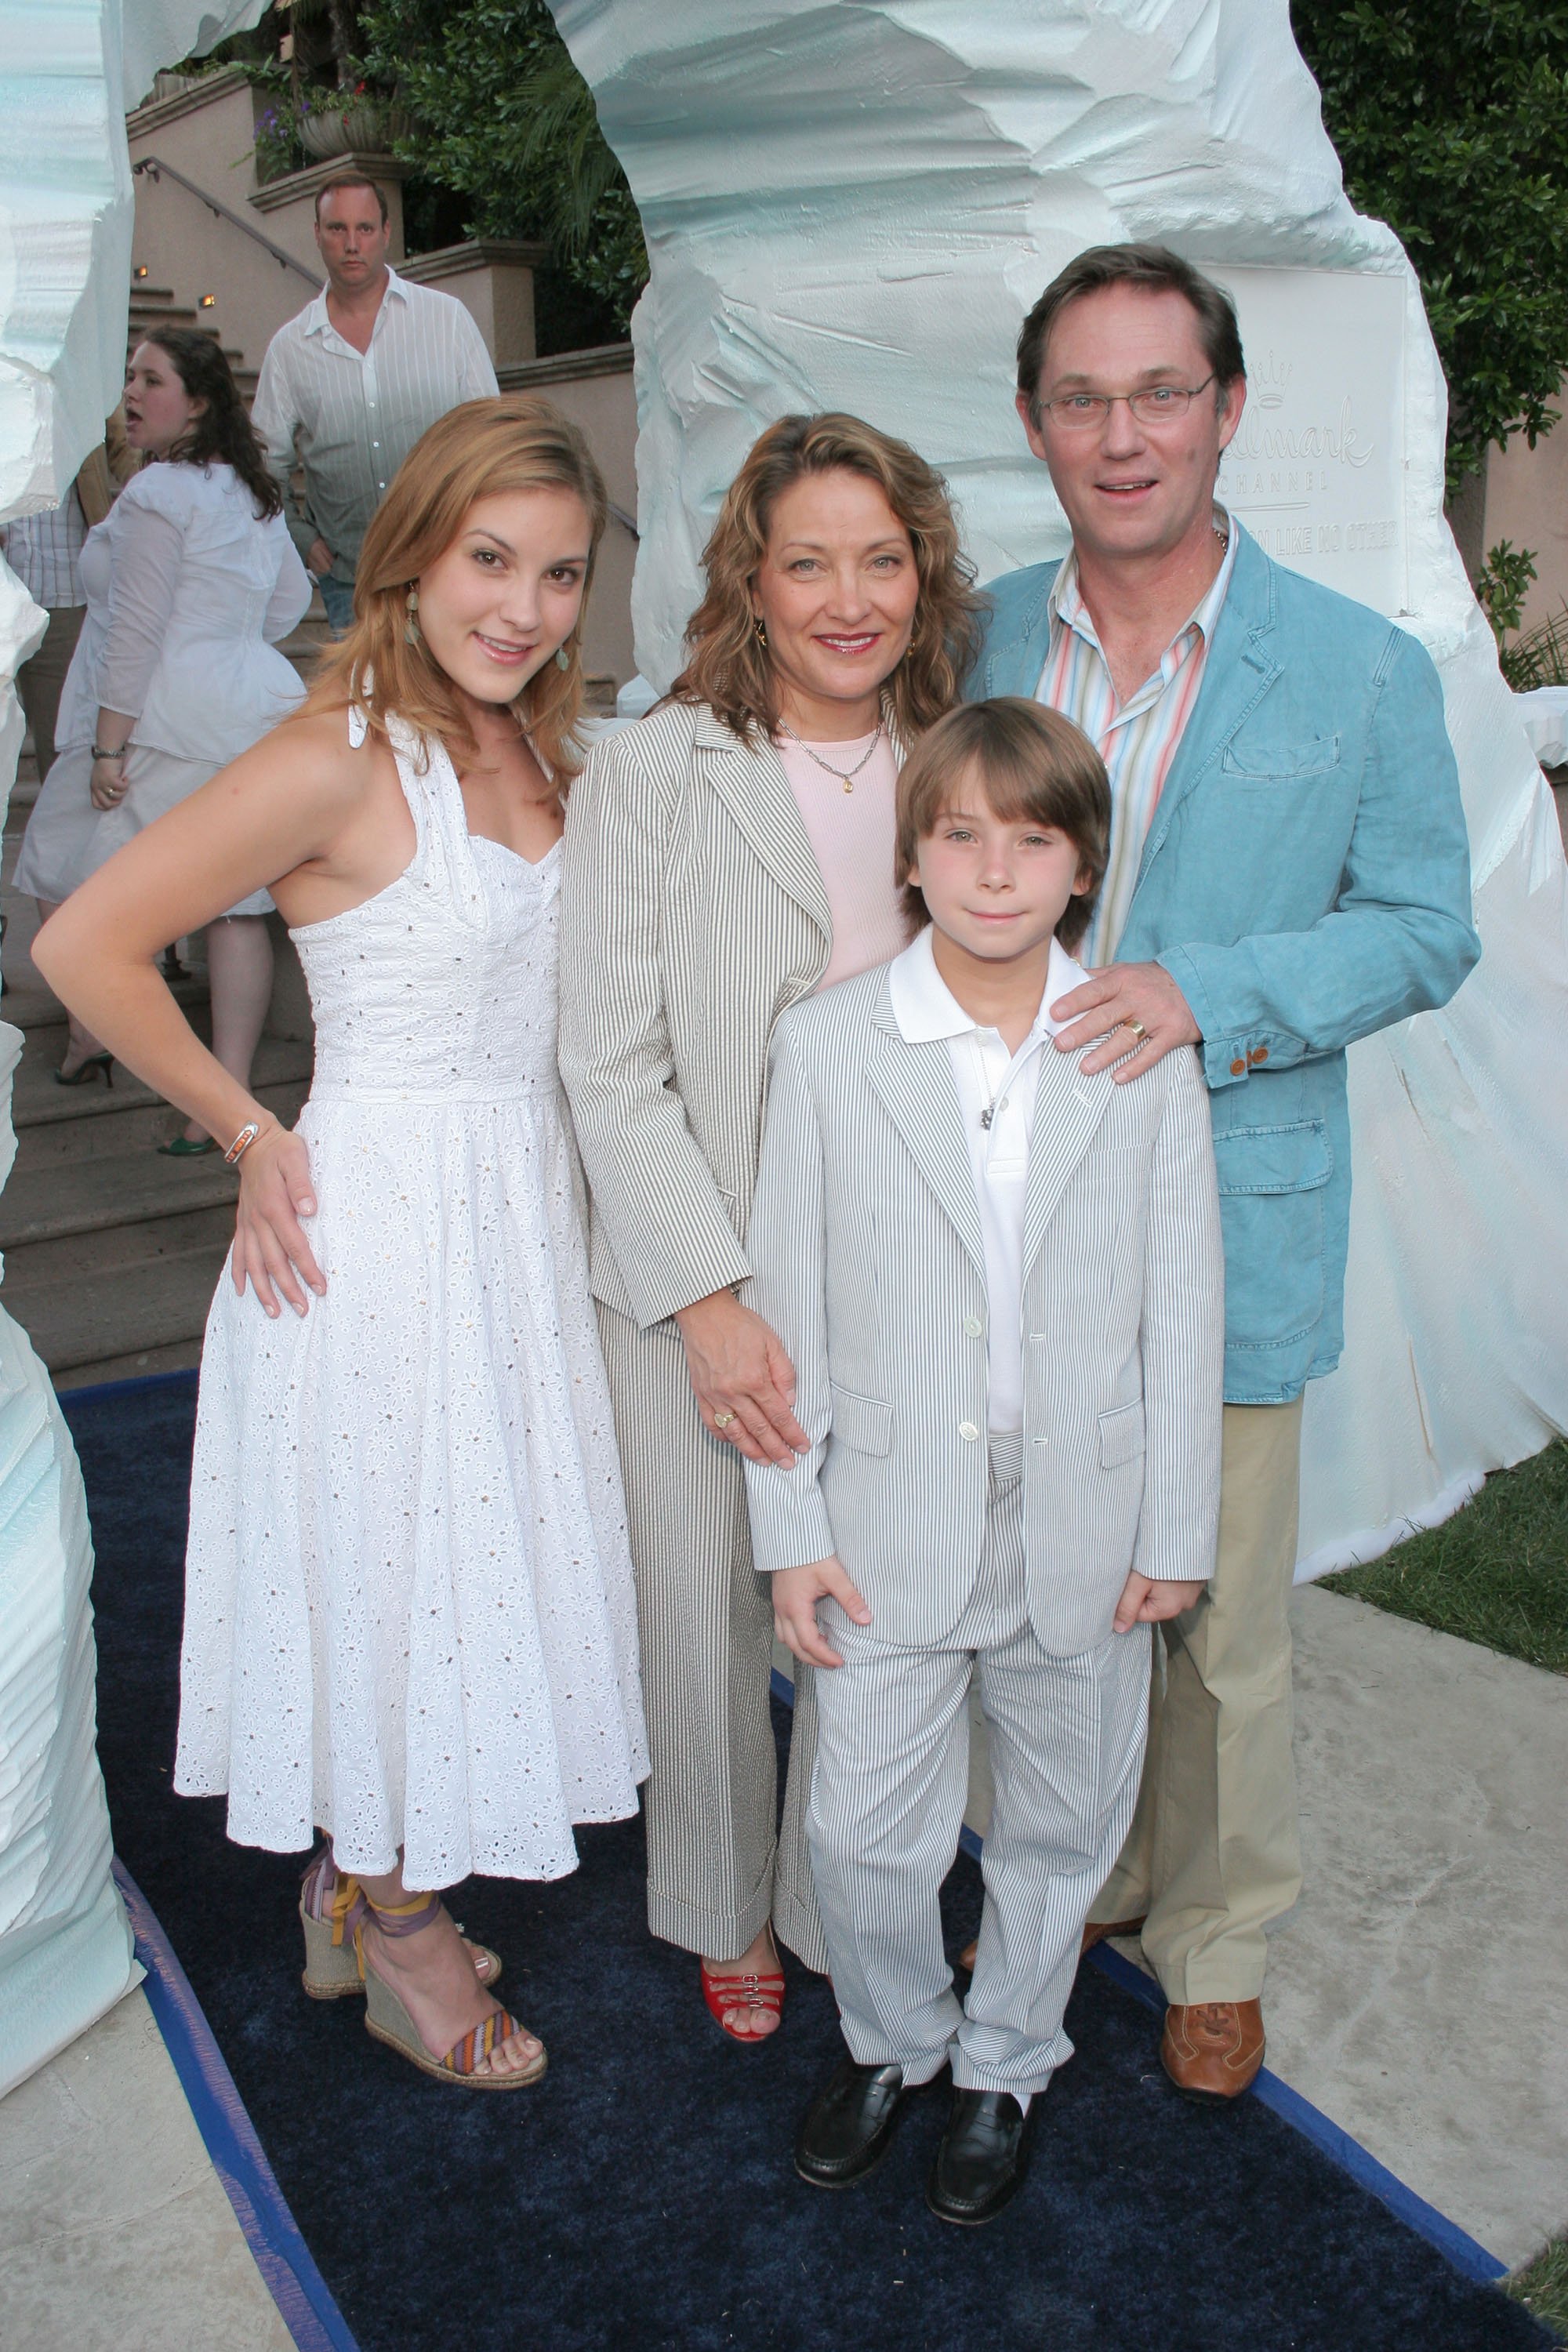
(338, 596)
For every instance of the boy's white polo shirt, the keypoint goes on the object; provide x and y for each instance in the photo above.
(989, 1078)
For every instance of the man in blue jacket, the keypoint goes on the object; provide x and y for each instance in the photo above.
(1289, 872)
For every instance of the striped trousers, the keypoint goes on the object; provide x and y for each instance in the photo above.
(887, 1803)
(718, 1868)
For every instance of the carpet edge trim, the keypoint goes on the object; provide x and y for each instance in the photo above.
(288, 2269)
(1465, 2254)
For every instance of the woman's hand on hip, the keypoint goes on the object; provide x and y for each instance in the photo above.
(742, 1379)
(269, 1245)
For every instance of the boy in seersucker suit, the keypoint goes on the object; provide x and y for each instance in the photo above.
(999, 1281)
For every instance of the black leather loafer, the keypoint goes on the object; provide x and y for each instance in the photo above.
(983, 2156)
(850, 2125)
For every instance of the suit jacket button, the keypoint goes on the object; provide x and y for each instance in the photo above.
(967, 1430)
(1238, 1069)
(974, 1325)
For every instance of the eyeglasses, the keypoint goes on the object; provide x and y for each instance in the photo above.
(1161, 405)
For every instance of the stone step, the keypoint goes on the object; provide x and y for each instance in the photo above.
(138, 1309)
(167, 1228)
(37, 1101)
(28, 1005)
(178, 1356)
(123, 1130)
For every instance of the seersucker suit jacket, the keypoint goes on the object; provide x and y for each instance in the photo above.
(866, 1243)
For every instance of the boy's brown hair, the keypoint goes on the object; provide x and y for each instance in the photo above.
(1035, 768)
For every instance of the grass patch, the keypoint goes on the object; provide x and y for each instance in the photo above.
(1496, 1574)
(1543, 2288)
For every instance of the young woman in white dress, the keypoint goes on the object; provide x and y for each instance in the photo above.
(190, 580)
(409, 1615)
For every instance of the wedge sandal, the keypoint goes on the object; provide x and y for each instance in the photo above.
(386, 2020)
(326, 1899)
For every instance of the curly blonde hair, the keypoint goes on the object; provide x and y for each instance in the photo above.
(486, 448)
(729, 667)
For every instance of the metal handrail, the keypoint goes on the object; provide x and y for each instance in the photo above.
(157, 167)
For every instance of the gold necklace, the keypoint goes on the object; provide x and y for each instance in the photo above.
(848, 781)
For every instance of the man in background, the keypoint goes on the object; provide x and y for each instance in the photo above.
(347, 387)
(43, 550)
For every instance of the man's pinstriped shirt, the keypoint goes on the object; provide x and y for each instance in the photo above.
(1138, 740)
(353, 417)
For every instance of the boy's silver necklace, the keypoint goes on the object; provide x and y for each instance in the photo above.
(848, 781)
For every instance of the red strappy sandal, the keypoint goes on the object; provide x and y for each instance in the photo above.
(748, 1991)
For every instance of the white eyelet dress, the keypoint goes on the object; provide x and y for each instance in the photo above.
(409, 1612)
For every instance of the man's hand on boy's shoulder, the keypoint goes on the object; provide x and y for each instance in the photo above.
(796, 1591)
(1126, 998)
(1147, 1602)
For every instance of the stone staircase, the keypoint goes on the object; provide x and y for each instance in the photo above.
(112, 1252)
(154, 306)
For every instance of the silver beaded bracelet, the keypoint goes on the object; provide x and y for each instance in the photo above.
(242, 1143)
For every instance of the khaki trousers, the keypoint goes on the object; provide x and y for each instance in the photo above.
(41, 680)
(1213, 1852)
(717, 1866)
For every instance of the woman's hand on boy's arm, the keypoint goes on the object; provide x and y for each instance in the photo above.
(1145, 1602)
(796, 1591)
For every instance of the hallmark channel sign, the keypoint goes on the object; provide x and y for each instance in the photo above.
(1316, 469)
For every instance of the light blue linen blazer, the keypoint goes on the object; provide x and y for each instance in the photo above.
(1305, 881)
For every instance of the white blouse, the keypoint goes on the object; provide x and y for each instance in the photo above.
(187, 592)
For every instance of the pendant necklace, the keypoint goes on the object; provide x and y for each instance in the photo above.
(848, 781)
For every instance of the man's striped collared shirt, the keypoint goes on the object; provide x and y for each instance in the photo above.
(43, 550)
(1138, 740)
(351, 418)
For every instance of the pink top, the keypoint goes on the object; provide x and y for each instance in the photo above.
(852, 837)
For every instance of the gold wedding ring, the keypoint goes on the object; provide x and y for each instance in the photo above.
(722, 1420)
(1137, 1028)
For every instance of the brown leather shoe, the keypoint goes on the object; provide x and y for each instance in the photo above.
(1212, 2049)
(1094, 1932)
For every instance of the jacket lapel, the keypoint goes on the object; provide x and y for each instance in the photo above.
(915, 1085)
(1237, 674)
(1015, 667)
(752, 784)
(1068, 1108)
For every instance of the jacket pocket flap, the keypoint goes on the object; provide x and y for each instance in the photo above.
(1294, 1158)
(1121, 1435)
(1266, 763)
(861, 1422)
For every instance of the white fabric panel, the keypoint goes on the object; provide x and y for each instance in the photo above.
(67, 74)
(853, 207)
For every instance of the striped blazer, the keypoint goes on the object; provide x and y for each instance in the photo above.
(869, 1264)
(693, 914)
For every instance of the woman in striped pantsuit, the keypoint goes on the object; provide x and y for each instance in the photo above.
(724, 857)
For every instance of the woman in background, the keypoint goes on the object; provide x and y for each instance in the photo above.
(409, 1612)
(189, 581)
(725, 856)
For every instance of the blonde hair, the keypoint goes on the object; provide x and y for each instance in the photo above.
(486, 448)
(1035, 767)
(729, 667)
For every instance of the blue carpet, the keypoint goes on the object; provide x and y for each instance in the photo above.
(642, 2198)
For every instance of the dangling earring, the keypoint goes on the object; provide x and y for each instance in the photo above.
(411, 626)
(761, 632)
(562, 658)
